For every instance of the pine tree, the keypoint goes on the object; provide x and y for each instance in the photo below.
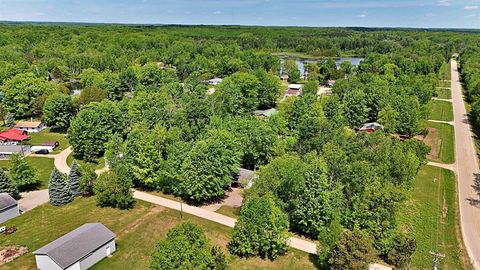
(74, 179)
(10, 119)
(7, 186)
(58, 189)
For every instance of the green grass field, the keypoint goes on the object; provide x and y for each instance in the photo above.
(445, 83)
(430, 215)
(441, 141)
(43, 167)
(445, 72)
(229, 211)
(441, 110)
(138, 230)
(47, 136)
(444, 93)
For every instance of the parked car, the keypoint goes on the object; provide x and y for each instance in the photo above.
(42, 152)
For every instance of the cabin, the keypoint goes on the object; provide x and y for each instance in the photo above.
(371, 127)
(13, 136)
(294, 90)
(30, 126)
(79, 249)
(215, 81)
(7, 150)
(8, 207)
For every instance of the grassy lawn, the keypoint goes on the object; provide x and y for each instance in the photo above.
(441, 141)
(43, 167)
(229, 211)
(441, 110)
(445, 72)
(444, 93)
(47, 136)
(445, 83)
(138, 230)
(430, 215)
(98, 164)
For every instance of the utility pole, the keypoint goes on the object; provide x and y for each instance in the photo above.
(436, 256)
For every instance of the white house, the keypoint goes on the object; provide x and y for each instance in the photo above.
(77, 250)
(30, 126)
(8, 207)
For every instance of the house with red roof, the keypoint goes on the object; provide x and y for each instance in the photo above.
(13, 135)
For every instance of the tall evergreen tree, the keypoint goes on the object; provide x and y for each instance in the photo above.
(10, 120)
(6, 185)
(58, 189)
(74, 179)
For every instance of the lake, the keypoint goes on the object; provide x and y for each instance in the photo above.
(301, 62)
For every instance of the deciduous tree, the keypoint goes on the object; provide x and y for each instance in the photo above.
(58, 110)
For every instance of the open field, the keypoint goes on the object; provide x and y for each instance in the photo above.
(47, 136)
(445, 73)
(43, 167)
(444, 93)
(441, 110)
(444, 83)
(138, 230)
(430, 215)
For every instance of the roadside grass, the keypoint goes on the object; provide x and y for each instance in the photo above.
(444, 93)
(441, 140)
(138, 230)
(444, 83)
(430, 214)
(229, 211)
(43, 168)
(47, 136)
(445, 72)
(441, 110)
(98, 163)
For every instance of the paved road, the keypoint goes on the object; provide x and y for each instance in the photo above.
(296, 243)
(466, 169)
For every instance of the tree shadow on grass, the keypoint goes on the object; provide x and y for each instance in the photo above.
(476, 187)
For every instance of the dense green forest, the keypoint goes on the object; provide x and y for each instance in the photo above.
(144, 106)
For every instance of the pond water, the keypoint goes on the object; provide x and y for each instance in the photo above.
(301, 62)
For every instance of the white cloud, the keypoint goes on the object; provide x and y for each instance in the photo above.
(217, 12)
(471, 16)
(470, 7)
(443, 3)
(362, 15)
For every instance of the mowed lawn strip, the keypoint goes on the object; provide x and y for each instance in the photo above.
(441, 139)
(430, 215)
(138, 230)
(441, 110)
(43, 168)
(444, 93)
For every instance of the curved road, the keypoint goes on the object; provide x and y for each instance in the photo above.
(466, 168)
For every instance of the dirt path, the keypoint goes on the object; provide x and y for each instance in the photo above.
(61, 160)
(296, 243)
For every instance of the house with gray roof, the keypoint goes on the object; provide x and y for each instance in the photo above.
(8, 207)
(77, 250)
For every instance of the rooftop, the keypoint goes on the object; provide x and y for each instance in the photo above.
(6, 201)
(77, 244)
(295, 86)
(28, 124)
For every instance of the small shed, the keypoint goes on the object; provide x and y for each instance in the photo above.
(30, 126)
(294, 90)
(215, 81)
(246, 177)
(265, 113)
(284, 77)
(371, 127)
(8, 207)
(77, 250)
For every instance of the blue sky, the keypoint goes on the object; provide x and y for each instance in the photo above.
(370, 13)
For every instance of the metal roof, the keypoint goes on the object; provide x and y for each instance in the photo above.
(6, 201)
(77, 244)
